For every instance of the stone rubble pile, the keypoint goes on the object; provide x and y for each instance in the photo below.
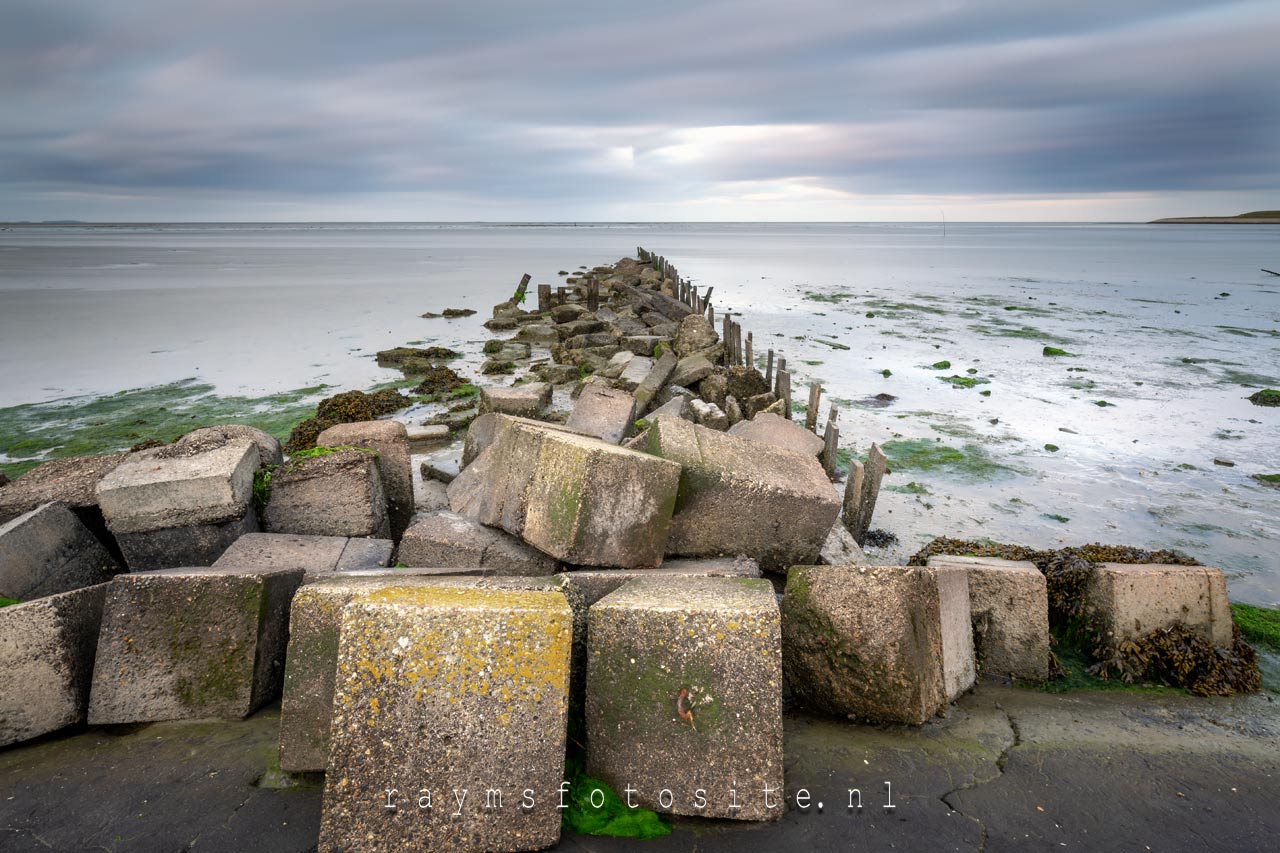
(601, 558)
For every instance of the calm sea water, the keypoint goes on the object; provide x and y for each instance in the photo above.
(1171, 326)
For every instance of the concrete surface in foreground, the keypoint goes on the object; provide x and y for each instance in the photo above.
(1007, 768)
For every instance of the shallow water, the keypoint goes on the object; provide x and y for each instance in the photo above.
(256, 310)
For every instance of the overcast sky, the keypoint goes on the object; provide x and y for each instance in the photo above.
(654, 110)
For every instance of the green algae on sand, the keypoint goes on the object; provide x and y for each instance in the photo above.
(970, 461)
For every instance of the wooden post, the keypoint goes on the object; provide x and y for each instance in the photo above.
(711, 316)
(706, 297)
(861, 492)
(831, 443)
(782, 366)
(560, 296)
(521, 288)
(750, 354)
(811, 415)
(544, 298)
(693, 294)
(725, 331)
(768, 370)
(593, 295)
(784, 381)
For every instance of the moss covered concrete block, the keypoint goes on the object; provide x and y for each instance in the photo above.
(577, 498)
(190, 643)
(442, 688)
(739, 496)
(1128, 601)
(684, 696)
(1009, 606)
(390, 440)
(867, 642)
(46, 657)
(315, 624)
(333, 494)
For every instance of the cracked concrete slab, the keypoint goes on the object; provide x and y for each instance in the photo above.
(1006, 768)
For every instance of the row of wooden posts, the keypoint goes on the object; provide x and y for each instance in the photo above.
(740, 350)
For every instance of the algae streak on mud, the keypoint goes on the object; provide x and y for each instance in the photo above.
(78, 426)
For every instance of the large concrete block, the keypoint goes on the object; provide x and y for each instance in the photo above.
(1129, 601)
(579, 499)
(446, 539)
(691, 668)
(47, 551)
(46, 656)
(191, 643)
(744, 497)
(316, 555)
(524, 400)
(269, 450)
(606, 413)
(193, 545)
(1009, 605)
(877, 643)
(635, 371)
(390, 441)
(72, 482)
(315, 624)
(440, 688)
(777, 431)
(336, 494)
(654, 381)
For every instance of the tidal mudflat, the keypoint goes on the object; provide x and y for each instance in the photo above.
(1095, 376)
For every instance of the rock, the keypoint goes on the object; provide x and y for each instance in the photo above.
(643, 344)
(436, 473)
(402, 356)
(335, 494)
(779, 432)
(559, 374)
(183, 503)
(46, 655)
(579, 499)
(523, 400)
(759, 403)
(191, 643)
(486, 429)
(677, 407)
(695, 334)
(1009, 607)
(596, 339)
(616, 365)
(688, 667)
(316, 555)
(501, 324)
(666, 330)
(861, 491)
(653, 381)
(457, 312)
(692, 369)
(708, 415)
(1225, 463)
(390, 441)
(841, 549)
(448, 540)
(4, 479)
(567, 313)
(743, 497)
(671, 391)
(745, 382)
(542, 334)
(268, 445)
(586, 325)
(635, 372)
(48, 551)
(433, 496)
(715, 389)
(604, 412)
(495, 721)
(866, 642)
(498, 367)
(424, 439)
(732, 410)
(1129, 601)
(72, 482)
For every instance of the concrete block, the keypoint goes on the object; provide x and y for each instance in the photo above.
(390, 441)
(471, 692)
(446, 539)
(867, 642)
(316, 555)
(743, 497)
(691, 369)
(604, 412)
(1130, 601)
(637, 368)
(72, 482)
(779, 432)
(840, 549)
(190, 643)
(692, 668)
(654, 381)
(522, 400)
(337, 494)
(46, 655)
(48, 551)
(1009, 607)
(269, 450)
(424, 439)
(579, 499)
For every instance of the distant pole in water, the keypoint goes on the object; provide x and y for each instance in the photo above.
(944, 223)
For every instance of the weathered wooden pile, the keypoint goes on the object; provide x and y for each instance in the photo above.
(601, 558)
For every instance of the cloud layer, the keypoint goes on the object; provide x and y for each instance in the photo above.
(305, 109)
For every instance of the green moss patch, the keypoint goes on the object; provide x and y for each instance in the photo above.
(964, 381)
(5, 602)
(1267, 397)
(1055, 352)
(970, 461)
(1272, 480)
(941, 365)
(613, 818)
(1259, 625)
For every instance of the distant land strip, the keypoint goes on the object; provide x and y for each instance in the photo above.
(1257, 217)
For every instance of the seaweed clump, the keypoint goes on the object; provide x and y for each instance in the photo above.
(346, 408)
(1174, 656)
(1265, 397)
(439, 380)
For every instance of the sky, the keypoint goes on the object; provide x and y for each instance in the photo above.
(848, 110)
